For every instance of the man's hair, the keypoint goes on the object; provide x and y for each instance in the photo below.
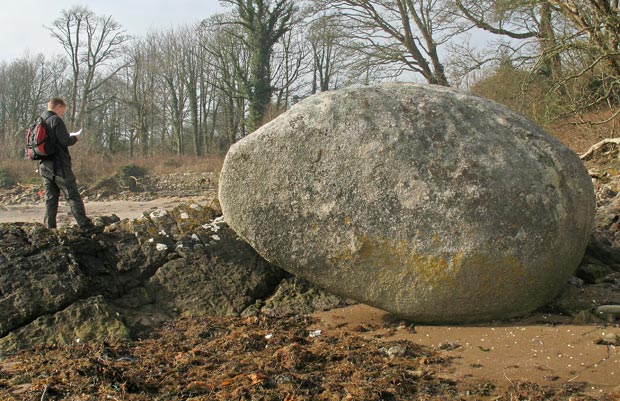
(55, 102)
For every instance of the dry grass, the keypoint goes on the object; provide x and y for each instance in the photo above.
(579, 133)
(23, 171)
(94, 168)
(91, 168)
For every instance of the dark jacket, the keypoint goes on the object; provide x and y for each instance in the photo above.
(60, 162)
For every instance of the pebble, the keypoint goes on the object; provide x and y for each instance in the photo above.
(576, 281)
(314, 333)
(608, 310)
(161, 247)
(158, 214)
(397, 350)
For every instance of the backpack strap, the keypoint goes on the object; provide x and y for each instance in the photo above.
(50, 133)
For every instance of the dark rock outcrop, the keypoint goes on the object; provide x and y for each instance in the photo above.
(57, 287)
(39, 275)
(295, 295)
(92, 318)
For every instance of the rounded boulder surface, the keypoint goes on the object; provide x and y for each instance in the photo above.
(433, 204)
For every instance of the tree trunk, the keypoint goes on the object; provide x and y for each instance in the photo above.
(552, 60)
(193, 105)
(260, 91)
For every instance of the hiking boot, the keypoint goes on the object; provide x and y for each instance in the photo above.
(91, 229)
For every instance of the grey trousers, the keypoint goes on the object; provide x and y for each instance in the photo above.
(53, 188)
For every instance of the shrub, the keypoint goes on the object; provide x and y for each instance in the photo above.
(126, 176)
(521, 91)
(130, 170)
(172, 163)
(6, 180)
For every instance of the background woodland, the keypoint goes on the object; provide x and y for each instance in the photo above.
(194, 90)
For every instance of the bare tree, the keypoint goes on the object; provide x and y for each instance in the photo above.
(229, 63)
(524, 20)
(107, 121)
(192, 64)
(25, 86)
(577, 47)
(406, 33)
(142, 84)
(328, 51)
(209, 98)
(600, 21)
(174, 77)
(92, 43)
(290, 59)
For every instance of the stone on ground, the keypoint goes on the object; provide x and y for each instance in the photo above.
(436, 205)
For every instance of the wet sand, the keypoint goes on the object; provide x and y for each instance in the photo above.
(544, 349)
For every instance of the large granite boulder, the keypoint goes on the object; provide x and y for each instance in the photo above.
(430, 203)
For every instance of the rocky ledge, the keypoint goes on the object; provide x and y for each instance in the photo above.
(58, 287)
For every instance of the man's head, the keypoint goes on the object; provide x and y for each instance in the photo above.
(57, 105)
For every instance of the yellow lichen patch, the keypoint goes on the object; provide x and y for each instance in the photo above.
(482, 262)
(398, 261)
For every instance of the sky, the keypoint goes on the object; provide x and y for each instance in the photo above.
(22, 22)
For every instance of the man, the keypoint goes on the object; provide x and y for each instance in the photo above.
(57, 173)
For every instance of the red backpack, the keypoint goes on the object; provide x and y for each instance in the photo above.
(38, 142)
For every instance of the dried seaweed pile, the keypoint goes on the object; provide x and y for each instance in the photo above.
(217, 358)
